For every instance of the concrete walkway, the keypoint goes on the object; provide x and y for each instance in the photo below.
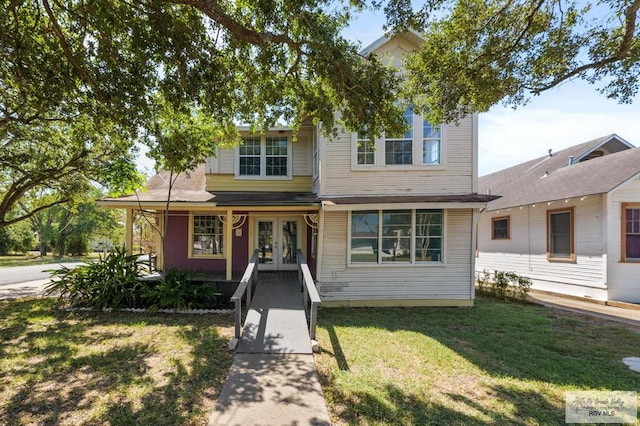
(627, 313)
(273, 378)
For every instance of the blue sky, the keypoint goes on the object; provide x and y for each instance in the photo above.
(568, 115)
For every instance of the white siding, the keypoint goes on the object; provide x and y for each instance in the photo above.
(455, 176)
(340, 282)
(624, 278)
(525, 252)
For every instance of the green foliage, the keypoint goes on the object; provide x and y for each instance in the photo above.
(17, 238)
(111, 282)
(503, 285)
(179, 290)
(478, 53)
(115, 282)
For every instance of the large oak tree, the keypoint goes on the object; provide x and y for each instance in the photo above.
(81, 81)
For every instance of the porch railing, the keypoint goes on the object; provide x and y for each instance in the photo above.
(247, 282)
(310, 296)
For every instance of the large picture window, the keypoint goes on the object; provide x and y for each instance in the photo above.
(266, 157)
(560, 245)
(421, 144)
(206, 235)
(396, 236)
(630, 232)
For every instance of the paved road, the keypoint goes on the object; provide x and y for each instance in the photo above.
(21, 281)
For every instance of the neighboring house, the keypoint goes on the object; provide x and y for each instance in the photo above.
(394, 225)
(569, 220)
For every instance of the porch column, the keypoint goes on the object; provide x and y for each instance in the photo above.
(228, 242)
(159, 220)
(128, 241)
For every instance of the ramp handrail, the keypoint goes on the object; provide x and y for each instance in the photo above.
(249, 277)
(310, 296)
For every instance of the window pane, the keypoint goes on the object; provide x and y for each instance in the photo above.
(276, 156)
(398, 151)
(364, 236)
(429, 235)
(408, 119)
(500, 229)
(396, 236)
(632, 249)
(560, 235)
(431, 136)
(207, 235)
(431, 151)
(366, 152)
(249, 157)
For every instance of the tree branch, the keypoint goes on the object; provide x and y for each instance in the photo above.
(84, 73)
(623, 51)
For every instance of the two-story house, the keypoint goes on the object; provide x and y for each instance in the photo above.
(384, 222)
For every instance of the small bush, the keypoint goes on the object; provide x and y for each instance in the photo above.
(114, 282)
(503, 285)
(178, 289)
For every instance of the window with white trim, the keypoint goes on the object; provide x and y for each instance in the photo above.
(207, 235)
(396, 236)
(421, 144)
(266, 157)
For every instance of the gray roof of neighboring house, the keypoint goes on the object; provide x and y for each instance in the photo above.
(551, 178)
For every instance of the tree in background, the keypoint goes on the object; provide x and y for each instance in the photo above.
(18, 238)
(81, 82)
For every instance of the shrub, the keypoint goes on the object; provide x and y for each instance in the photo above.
(178, 289)
(112, 282)
(503, 285)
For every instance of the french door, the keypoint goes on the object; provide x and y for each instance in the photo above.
(277, 242)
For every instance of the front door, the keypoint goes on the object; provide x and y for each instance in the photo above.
(277, 242)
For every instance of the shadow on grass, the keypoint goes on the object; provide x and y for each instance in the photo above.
(508, 342)
(65, 368)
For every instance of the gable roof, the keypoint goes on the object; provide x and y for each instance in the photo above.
(411, 35)
(553, 178)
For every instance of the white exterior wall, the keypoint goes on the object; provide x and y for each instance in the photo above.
(340, 282)
(525, 253)
(624, 278)
(454, 176)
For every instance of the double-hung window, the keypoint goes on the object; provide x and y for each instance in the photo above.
(206, 235)
(630, 232)
(560, 245)
(420, 145)
(396, 236)
(267, 157)
(398, 149)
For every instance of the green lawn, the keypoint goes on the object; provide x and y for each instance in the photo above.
(102, 368)
(33, 258)
(495, 363)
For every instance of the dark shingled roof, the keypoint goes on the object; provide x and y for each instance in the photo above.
(551, 178)
(408, 199)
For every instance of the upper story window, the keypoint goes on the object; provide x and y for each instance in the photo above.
(560, 245)
(420, 145)
(398, 149)
(264, 157)
(630, 232)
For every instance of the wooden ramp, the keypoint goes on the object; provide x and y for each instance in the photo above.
(276, 322)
